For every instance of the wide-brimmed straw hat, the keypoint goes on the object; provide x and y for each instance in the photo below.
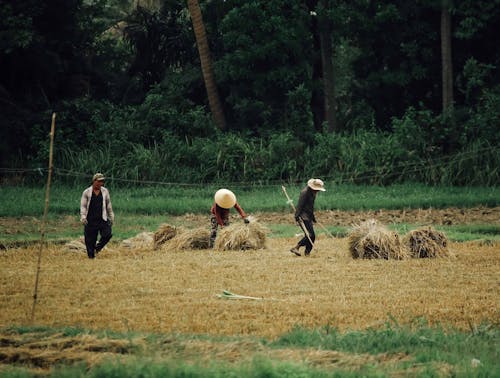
(225, 198)
(316, 184)
(98, 177)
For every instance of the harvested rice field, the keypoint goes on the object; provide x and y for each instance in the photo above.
(180, 290)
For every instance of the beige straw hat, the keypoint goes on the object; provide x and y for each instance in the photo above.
(316, 184)
(98, 177)
(225, 198)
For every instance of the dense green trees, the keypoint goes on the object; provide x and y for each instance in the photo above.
(294, 79)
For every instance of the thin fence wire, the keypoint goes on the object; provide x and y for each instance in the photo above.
(346, 177)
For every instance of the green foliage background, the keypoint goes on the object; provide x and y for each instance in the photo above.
(126, 85)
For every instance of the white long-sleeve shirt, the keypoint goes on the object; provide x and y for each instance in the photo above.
(107, 209)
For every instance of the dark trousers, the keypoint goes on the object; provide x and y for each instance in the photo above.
(305, 240)
(91, 231)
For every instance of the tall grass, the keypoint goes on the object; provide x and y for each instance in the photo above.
(362, 157)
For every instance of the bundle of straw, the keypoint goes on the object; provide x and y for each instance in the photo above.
(372, 240)
(77, 245)
(144, 240)
(426, 242)
(198, 238)
(240, 236)
(164, 233)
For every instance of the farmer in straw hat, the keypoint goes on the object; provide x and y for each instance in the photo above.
(304, 215)
(224, 200)
(96, 213)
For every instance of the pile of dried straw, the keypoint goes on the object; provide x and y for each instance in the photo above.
(164, 233)
(240, 236)
(198, 238)
(372, 240)
(144, 240)
(77, 245)
(426, 242)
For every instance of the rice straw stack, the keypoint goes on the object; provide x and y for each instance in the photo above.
(426, 243)
(240, 236)
(77, 245)
(164, 233)
(144, 240)
(198, 238)
(372, 240)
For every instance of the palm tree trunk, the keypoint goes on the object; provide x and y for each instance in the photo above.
(325, 37)
(322, 33)
(206, 64)
(446, 61)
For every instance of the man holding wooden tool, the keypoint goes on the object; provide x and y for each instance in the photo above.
(304, 215)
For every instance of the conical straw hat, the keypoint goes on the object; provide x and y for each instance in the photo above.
(225, 198)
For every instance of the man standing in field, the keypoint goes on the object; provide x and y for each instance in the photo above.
(96, 213)
(304, 215)
(224, 200)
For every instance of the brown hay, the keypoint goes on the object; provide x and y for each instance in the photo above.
(181, 287)
(198, 238)
(372, 240)
(77, 245)
(164, 233)
(427, 242)
(144, 240)
(240, 236)
(41, 352)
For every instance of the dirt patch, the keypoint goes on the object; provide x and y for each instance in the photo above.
(449, 216)
(30, 226)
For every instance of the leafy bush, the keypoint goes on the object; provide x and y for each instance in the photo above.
(485, 118)
(157, 142)
(365, 157)
(410, 131)
(298, 115)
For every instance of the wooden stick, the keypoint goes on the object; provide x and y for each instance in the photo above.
(289, 201)
(326, 230)
(300, 221)
(44, 221)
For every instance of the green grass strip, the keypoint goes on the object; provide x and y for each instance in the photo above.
(416, 350)
(26, 201)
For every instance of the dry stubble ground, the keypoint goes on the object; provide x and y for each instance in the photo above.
(177, 291)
